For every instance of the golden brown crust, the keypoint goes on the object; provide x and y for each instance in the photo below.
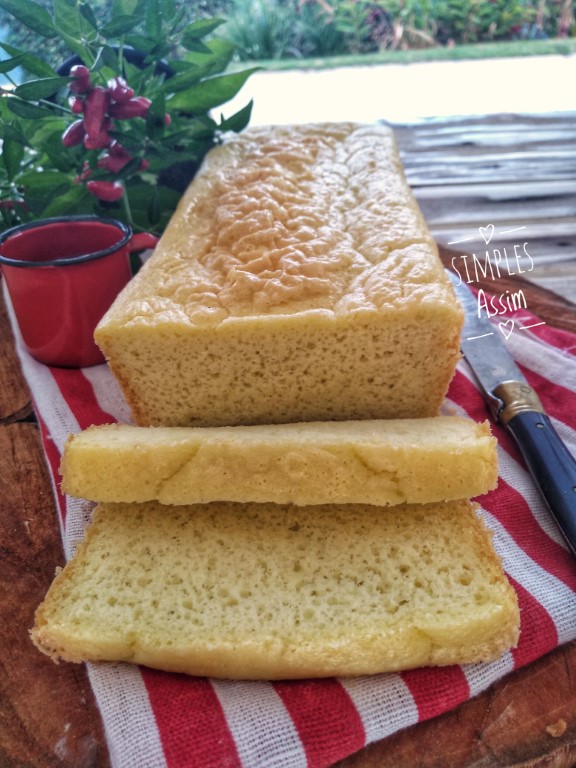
(297, 281)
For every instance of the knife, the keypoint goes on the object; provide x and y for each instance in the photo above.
(514, 404)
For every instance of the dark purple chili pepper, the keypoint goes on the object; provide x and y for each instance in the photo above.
(115, 159)
(76, 104)
(81, 82)
(74, 134)
(119, 89)
(126, 110)
(97, 140)
(95, 108)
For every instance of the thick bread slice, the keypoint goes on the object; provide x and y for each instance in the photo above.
(272, 592)
(373, 462)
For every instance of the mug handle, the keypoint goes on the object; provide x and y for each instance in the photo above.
(140, 241)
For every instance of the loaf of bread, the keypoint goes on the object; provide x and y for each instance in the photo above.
(272, 591)
(297, 281)
(373, 462)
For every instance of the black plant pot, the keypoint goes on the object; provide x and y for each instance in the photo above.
(133, 56)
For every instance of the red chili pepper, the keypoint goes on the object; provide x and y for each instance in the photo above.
(119, 89)
(81, 82)
(76, 104)
(115, 159)
(95, 110)
(117, 150)
(108, 191)
(74, 134)
(10, 205)
(79, 71)
(99, 140)
(126, 110)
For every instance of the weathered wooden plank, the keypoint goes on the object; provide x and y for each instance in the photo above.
(491, 151)
(553, 218)
(48, 717)
(506, 170)
(467, 223)
(482, 137)
(487, 170)
(15, 402)
(563, 189)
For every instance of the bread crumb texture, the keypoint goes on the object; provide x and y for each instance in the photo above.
(296, 281)
(270, 591)
(382, 462)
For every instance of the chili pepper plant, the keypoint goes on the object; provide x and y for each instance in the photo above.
(119, 128)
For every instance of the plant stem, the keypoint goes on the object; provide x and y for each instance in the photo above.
(127, 209)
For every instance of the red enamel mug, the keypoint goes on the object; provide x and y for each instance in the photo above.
(62, 275)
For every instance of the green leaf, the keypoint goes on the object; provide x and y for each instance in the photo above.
(155, 117)
(7, 65)
(141, 43)
(32, 15)
(12, 156)
(77, 47)
(70, 22)
(125, 7)
(221, 52)
(30, 63)
(183, 80)
(196, 45)
(193, 34)
(107, 56)
(119, 26)
(40, 89)
(13, 132)
(239, 120)
(210, 93)
(153, 19)
(201, 28)
(42, 182)
(26, 110)
(76, 200)
(89, 16)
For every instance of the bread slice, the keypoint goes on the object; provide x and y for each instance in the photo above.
(373, 462)
(271, 592)
(296, 281)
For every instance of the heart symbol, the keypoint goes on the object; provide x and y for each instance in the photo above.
(506, 328)
(487, 233)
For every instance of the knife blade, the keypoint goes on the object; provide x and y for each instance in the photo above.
(513, 403)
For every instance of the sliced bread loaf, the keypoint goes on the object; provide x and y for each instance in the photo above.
(373, 462)
(270, 591)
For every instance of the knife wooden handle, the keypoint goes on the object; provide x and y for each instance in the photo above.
(551, 465)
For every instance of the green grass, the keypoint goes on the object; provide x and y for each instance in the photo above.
(562, 47)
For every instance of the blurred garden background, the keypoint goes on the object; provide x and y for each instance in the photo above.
(327, 33)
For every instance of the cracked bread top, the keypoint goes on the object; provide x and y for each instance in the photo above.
(284, 220)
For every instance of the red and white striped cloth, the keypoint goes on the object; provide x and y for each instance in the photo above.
(154, 719)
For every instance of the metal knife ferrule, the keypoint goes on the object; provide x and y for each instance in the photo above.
(516, 397)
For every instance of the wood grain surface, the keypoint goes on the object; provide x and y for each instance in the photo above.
(48, 717)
